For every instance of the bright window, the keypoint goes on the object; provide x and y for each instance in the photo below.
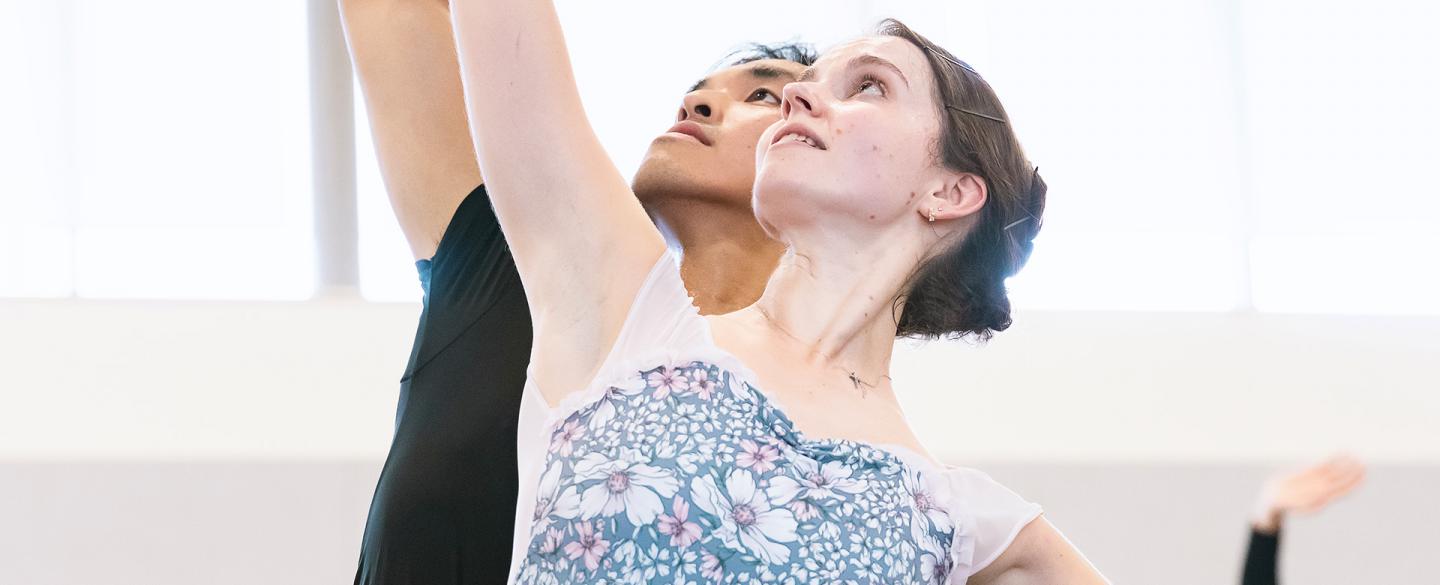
(155, 160)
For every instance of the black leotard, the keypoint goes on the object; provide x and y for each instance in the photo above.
(444, 508)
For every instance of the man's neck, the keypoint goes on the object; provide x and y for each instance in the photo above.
(727, 257)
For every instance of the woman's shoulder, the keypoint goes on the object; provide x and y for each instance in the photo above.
(990, 515)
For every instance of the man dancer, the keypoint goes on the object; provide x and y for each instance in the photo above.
(443, 510)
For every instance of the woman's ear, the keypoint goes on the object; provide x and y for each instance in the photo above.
(959, 196)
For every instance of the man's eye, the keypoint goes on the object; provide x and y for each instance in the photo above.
(765, 94)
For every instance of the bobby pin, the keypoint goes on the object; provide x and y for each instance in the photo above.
(974, 113)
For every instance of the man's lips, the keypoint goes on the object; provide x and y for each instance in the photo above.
(691, 129)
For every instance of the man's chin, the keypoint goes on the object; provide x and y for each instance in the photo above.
(666, 177)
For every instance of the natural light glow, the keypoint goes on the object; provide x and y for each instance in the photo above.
(1201, 156)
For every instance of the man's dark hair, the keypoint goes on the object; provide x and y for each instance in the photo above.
(801, 53)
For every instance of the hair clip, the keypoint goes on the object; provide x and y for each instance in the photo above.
(974, 113)
(1034, 176)
(957, 62)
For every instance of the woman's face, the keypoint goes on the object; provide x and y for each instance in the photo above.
(854, 146)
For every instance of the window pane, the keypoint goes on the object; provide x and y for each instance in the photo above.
(1136, 128)
(1342, 111)
(35, 245)
(185, 149)
(1342, 108)
(387, 269)
(1135, 132)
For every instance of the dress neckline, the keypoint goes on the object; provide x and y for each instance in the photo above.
(737, 368)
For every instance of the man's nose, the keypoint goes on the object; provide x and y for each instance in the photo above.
(698, 106)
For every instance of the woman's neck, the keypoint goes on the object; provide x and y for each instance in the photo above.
(836, 307)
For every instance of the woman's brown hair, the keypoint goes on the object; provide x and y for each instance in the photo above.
(961, 290)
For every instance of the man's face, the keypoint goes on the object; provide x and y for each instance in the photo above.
(710, 150)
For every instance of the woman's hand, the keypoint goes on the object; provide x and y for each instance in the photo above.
(1305, 491)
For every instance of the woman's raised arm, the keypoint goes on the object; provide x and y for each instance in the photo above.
(581, 241)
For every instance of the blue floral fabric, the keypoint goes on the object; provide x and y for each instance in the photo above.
(687, 474)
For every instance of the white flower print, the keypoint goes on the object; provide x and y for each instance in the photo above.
(934, 569)
(629, 484)
(667, 380)
(803, 510)
(926, 511)
(563, 441)
(552, 503)
(681, 532)
(747, 520)
(760, 457)
(706, 486)
(552, 541)
(816, 482)
(605, 410)
(589, 545)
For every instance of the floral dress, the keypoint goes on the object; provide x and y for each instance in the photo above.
(672, 467)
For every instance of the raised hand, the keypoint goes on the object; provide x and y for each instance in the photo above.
(1306, 490)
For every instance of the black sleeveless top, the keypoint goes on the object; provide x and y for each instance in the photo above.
(444, 508)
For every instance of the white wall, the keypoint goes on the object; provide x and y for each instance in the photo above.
(299, 522)
(131, 379)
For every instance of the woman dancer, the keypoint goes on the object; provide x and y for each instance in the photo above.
(653, 443)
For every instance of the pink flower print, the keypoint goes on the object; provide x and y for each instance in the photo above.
(761, 458)
(667, 380)
(589, 545)
(701, 383)
(563, 441)
(710, 567)
(682, 533)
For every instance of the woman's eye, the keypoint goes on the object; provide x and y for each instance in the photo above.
(765, 94)
(871, 85)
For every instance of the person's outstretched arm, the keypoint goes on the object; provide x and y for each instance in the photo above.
(1262, 566)
(404, 56)
(1040, 555)
(1304, 491)
(581, 241)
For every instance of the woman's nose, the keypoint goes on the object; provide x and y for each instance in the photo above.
(799, 95)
